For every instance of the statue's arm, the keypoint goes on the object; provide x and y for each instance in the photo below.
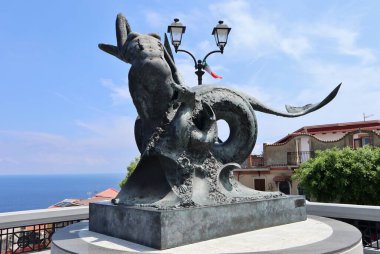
(122, 30)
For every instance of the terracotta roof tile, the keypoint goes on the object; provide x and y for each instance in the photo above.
(336, 127)
(108, 193)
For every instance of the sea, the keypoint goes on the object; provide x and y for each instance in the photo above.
(28, 192)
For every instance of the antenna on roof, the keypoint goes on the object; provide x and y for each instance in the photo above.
(366, 116)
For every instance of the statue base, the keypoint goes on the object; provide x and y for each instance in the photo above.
(163, 229)
(314, 236)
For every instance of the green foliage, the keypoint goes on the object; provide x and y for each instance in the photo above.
(342, 176)
(131, 168)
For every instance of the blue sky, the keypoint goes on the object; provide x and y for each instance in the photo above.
(65, 105)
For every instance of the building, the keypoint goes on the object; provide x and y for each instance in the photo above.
(106, 195)
(272, 171)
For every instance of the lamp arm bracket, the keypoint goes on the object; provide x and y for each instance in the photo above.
(212, 52)
(192, 56)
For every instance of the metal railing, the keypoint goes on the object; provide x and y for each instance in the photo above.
(296, 158)
(29, 238)
(365, 218)
(258, 161)
(28, 231)
(370, 232)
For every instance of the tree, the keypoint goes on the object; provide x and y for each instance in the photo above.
(130, 169)
(342, 176)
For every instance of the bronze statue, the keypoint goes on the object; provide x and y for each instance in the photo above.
(183, 163)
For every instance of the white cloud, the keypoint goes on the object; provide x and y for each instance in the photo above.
(115, 133)
(257, 42)
(262, 36)
(187, 69)
(260, 40)
(105, 146)
(248, 33)
(361, 85)
(119, 93)
(206, 46)
(6, 160)
(257, 35)
(266, 39)
(155, 19)
(295, 47)
(345, 40)
(32, 136)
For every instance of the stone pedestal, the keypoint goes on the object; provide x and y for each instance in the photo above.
(313, 236)
(163, 229)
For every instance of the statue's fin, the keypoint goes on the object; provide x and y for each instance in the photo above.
(168, 48)
(293, 111)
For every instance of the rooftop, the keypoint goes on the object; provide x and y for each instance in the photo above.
(333, 128)
(107, 194)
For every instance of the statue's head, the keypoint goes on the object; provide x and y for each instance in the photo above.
(140, 47)
(131, 46)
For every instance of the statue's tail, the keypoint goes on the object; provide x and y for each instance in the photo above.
(232, 107)
(292, 111)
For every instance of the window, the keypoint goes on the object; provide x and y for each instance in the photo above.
(357, 143)
(362, 141)
(284, 187)
(259, 184)
(366, 141)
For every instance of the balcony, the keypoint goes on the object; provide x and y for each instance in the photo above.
(253, 162)
(31, 231)
(296, 158)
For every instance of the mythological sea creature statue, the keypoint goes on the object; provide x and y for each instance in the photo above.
(183, 163)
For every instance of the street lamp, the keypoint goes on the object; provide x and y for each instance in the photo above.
(220, 32)
(176, 29)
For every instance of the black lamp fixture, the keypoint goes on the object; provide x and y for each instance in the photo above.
(220, 32)
(176, 29)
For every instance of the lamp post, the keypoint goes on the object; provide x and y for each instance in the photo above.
(220, 32)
